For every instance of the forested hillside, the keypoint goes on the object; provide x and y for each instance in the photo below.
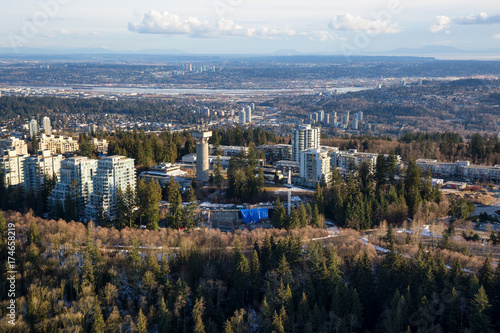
(77, 279)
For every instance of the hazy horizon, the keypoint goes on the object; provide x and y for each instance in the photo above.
(241, 27)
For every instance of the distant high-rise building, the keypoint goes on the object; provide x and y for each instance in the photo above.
(354, 124)
(327, 119)
(33, 128)
(252, 105)
(248, 114)
(360, 116)
(92, 128)
(75, 179)
(112, 173)
(321, 115)
(344, 121)
(206, 111)
(334, 119)
(304, 137)
(313, 118)
(242, 117)
(46, 125)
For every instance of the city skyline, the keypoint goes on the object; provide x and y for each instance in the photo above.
(239, 27)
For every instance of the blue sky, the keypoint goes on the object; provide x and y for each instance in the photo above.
(244, 26)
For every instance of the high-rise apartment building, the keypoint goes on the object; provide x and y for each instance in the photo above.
(304, 137)
(39, 167)
(12, 167)
(112, 173)
(47, 128)
(248, 114)
(75, 179)
(315, 165)
(355, 123)
(242, 117)
(335, 119)
(344, 121)
(33, 127)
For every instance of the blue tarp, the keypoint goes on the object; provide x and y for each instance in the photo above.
(254, 215)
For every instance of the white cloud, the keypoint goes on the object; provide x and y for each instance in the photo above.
(440, 23)
(496, 36)
(481, 18)
(444, 22)
(321, 35)
(64, 31)
(348, 22)
(171, 24)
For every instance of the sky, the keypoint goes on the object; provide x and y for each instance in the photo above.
(249, 27)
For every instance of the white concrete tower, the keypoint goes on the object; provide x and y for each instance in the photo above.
(202, 152)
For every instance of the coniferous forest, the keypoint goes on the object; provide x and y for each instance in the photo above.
(77, 278)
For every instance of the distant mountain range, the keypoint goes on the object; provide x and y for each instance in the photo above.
(428, 50)
(437, 49)
(97, 50)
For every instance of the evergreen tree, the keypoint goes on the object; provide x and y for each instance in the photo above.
(303, 217)
(149, 197)
(192, 195)
(477, 147)
(125, 207)
(175, 216)
(381, 170)
(319, 199)
(412, 186)
(336, 179)
(88, 270)
(363, 281)
(142, 323)
(277, 323)
(189, 211)
(98, 326)
(479, 315)
(3, 226)
(315, 217)
(217, 174)
(293, 220)
(198, 309)
(255, 275)
(486, 275)
(34, 234)
(241, 275)
(278, 216)
(164, 317)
